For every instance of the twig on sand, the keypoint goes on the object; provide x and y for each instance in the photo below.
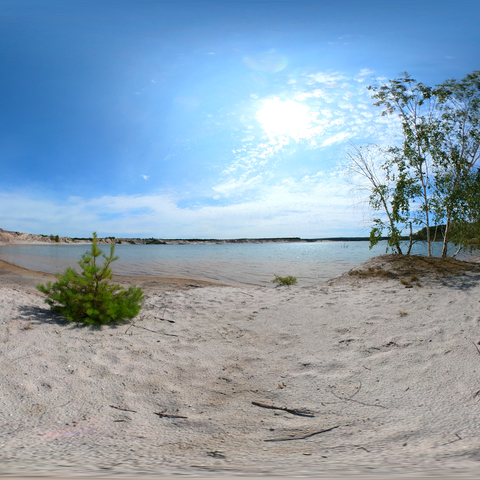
(363, 448)
(149, 330)
(303, 437)
(294, 411)
(453, 441)
(166, 319)
(154, 331)
(132, 325)
(476, 346)
(351, 399)
(162, 414)
(123, 409)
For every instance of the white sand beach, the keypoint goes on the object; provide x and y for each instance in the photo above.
(370, 376)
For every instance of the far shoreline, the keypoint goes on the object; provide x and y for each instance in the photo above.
(15, 238)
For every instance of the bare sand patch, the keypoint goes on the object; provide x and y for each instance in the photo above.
(369, 378)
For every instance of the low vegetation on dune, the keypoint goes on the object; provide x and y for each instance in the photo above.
(412, 269)
(284, 281)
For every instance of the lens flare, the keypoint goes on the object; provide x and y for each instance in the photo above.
(268, 62)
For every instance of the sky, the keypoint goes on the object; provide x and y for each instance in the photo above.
(206, 119)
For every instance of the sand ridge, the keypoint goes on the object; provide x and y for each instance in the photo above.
(390, 374)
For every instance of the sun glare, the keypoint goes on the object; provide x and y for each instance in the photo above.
(284, 118)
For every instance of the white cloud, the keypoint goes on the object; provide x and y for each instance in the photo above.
(145, 177)
(338, 108)
(235, 187)
(339, 137)
(327, 78)
(364, 72)
(315, 206)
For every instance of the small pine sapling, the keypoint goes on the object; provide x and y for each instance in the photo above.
(88, 297)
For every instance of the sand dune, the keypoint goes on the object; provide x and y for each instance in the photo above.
(369, 377)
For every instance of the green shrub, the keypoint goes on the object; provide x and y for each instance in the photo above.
(282, 281)
(88, 297)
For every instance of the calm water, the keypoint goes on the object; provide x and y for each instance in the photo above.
(254, 264)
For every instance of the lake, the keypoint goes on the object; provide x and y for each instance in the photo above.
(252, 264)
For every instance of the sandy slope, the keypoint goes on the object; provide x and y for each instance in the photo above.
(391, 375)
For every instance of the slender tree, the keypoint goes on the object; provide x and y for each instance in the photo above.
(439, 151)
(465, 227)
(369, 163)
(455, 198)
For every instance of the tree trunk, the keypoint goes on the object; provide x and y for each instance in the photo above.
(427, 220)
(392, 226)
(445, 238)
(411, 240)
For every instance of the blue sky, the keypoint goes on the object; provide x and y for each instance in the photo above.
(205, 119)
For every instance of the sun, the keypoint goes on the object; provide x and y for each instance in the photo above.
(284, 118)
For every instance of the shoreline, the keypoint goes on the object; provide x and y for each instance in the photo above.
(13, 275)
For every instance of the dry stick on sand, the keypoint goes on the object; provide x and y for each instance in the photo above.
(154, 331)
(166, 319)
(149, 330)
(294, 411)
(249, 294)
(123, 409)
(167, 415)
(134, 324)
(304, 437)
(351, 399)
(476, 395)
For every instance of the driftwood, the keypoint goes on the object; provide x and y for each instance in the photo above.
(304, 436)
(168, 415)
(123, 409)
(163, 316)
(149, 330)
(154, 331)
(453, 441)
(293, 411)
